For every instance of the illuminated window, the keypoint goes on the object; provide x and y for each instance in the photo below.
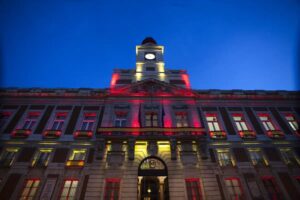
(69, 189)
(292, 122)
(121, 119)
(234, 188)
(212, 122)
(4, 116)
(193, 189)
(8, 156)
(224, 158)
(257, 157)
(267, 122)
(151, 119)
(181, 119)
(240, 122)
(289, 156)
(41, 158)
(77, 157)
(30, 189)
(271, 187)
(88, 121)
(59, 121)
(112, 187)
(30, 120)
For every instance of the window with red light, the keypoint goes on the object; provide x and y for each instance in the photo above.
(234, 188)
(271, 188)
(112, 188)
(88, 121)
(59, 121)
(4, 116)
(69, 189)
(151, 119)
(292, 122)
(120, 119)
(30, 189)
(240, 122)
(193, 189)
(212, 122)
(267, 122)
(181, 119)
(31, 120)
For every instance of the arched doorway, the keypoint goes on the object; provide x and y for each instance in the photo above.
(153, 179)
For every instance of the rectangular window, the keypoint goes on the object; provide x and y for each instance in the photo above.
(257, 157)
(224, 158)
(193, 189)
(212, 122)
(181, 119)
(120, 119)
(30, 120)
(69, 189)
(292, 122)
(112, 187)
(59, 121)
(8, 156)
(240, 122)
(234, 189)
(267, 122)
(41, 158)
(77, 158)
(4, 116)
(30, 189)
(289, 156)
(151, 119)
(88, 121)
(271, 188)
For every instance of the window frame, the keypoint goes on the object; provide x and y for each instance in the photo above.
(36, 159)
(292, 124)
(194, 189)
(275, 186)
(151, 120)
(183, 121)
(223, 162)
(214, 122)
(61, 122)
(12, 160)
(31, 121)
(73, 161)
(233, 187)
(111, 190)
(290, 159)
(242, 121)
(89, 122)
(262, 161)
(269, 124)
(31, 187)
(67, 197)
(120, 119)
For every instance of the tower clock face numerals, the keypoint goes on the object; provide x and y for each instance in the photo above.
(150, 56)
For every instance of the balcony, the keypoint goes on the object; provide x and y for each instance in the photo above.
(21, 133)
(83, 134)
(219, 135)
(247, 134)
(75, 163)
(275, 134)
(52, 133)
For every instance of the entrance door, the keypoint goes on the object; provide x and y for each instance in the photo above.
(153, 180)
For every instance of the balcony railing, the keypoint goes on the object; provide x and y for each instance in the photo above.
(275, 134)
(75, 163)
(217, 134)
(247, 134)
(83, 134)
(52, 133)
(21, 133)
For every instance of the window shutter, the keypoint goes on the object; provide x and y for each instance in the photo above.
(10, 127)
(272, 154)
(44, 120)
(26, 154)
(254, 121)
(227, 122)
(60, 155)
(84, 187)
(91, 155)
(10, 186)
(212, 155)
(241, 154)
(280, 121)
(73, 120)
(289, 186)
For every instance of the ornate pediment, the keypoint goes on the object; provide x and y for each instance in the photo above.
(151, 87)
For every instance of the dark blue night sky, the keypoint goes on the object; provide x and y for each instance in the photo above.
(224, 44)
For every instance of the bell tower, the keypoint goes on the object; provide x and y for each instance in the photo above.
(150, 61)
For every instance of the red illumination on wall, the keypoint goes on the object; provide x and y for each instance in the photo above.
(186, 79)
(61, 114)
(90, 114)
(114, 79)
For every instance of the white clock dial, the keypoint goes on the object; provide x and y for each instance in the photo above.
(150, 56)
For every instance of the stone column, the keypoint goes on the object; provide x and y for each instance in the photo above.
(140, 178)
(131, 145)
(173, 145)
(161, 180)
(100, 149)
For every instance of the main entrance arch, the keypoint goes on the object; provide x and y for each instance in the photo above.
(153, 179)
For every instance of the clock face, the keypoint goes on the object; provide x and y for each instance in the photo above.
(149, 56)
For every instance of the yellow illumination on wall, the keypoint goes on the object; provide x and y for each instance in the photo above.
(139, 67)
(77, 151)
(161, 67)
(12, 149)
(140, 149)
(163, 146)
(138, 76)
(48, 143)
(15, 142)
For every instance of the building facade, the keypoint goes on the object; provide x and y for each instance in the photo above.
(150, 137)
